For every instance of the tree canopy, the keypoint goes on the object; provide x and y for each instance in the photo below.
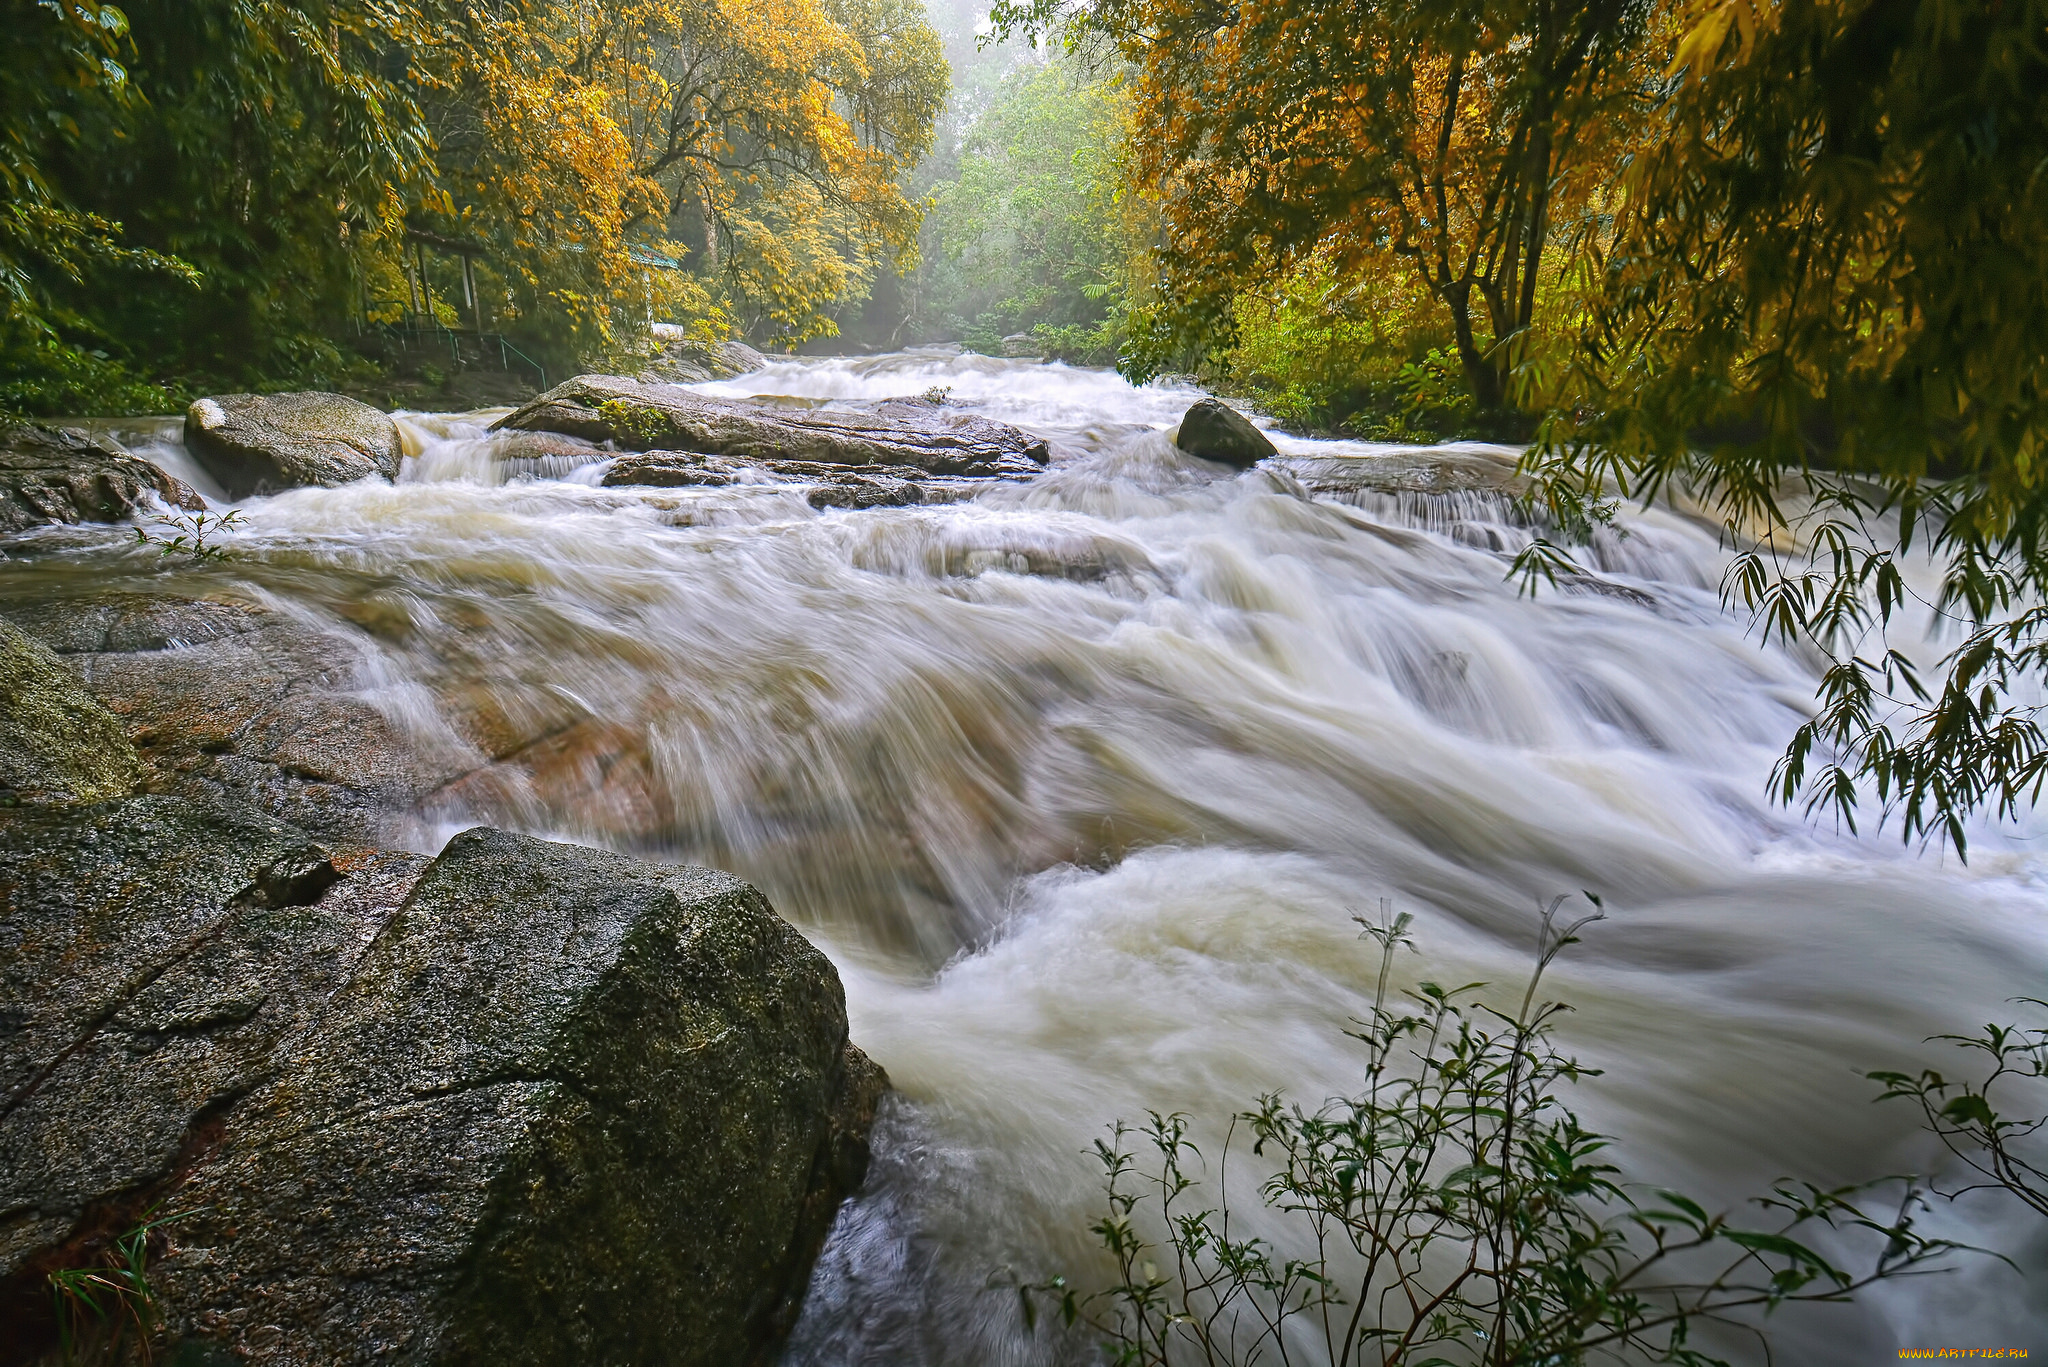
(225, 190)
(1785, 261)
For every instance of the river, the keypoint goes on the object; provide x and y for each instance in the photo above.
(1081, 782)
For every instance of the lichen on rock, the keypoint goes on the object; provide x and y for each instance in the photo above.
(58, 744)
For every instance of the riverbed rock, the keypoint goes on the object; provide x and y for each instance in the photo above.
(904, 432)
(1429, 471)
(264, 443)
(49, 475)
(227, 698)
(826, 486)
(683, 360)
(1022, 346)
(58, 744)
(1213, 430)
(528, 1103)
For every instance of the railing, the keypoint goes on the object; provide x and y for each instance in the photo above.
(416, 331)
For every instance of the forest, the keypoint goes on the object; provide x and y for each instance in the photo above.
(1696, 356)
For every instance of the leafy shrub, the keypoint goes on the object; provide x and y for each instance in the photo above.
(2001, 1150)
(1458, 1213)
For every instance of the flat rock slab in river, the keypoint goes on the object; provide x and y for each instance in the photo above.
(924, 436)
(525, 1103)
(826, 486)
(51, 475)
(264, 443)
(1407, 472)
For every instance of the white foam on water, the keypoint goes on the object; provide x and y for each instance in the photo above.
(1081, 782)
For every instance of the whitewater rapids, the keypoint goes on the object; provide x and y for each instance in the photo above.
(1080, 784)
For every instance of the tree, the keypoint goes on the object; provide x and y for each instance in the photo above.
(1029, 233)
(1825, 314)
(1468, 138)
(778, 132)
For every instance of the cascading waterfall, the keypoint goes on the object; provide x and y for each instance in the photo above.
(1081, 782)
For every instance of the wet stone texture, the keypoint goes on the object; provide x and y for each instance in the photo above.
(225, 698)
(52, 475)
(915, 433)
(828, 486)
(264, 443)
(524, 1103)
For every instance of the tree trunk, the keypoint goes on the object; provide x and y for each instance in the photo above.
(1480, 373)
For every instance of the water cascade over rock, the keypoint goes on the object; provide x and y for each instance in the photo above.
(1076, 768)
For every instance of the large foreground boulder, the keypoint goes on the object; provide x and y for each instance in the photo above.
(525, 1104)
(1213, 430)
(903, 432)
(48, 475)
(58, 745)
(264, 443)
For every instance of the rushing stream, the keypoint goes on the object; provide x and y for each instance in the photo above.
(1081, 782)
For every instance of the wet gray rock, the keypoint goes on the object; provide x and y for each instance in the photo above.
(1213, 430)
(58, 745)
(527, 1103)
(1022, 346)
(826, 486)
(682, 360)
(264, 443)
(1408, 472)
(155, 951)
(902, 432)
(225, 698)
(49, 475)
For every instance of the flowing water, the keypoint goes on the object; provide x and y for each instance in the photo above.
(1081, 782)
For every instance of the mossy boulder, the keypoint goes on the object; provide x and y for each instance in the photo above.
(58, 745)
(1213, 430)
(264, 443)
(528, 1103)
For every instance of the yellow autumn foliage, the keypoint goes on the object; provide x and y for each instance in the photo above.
(727, 164)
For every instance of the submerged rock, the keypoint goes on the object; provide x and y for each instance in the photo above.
(1213, 430)
(830, 486)
(48, 475)
(901, 432)
(264, 443)
(528, 1103)
(226, 698)
(57, 743)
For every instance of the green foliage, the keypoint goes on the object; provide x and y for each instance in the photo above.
(1453, 1212)
(1028, 237)
(193, 535)
(96, 1305)
(1327, 352)
(1824, 316)
(1973, 1118)
(208, 194)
